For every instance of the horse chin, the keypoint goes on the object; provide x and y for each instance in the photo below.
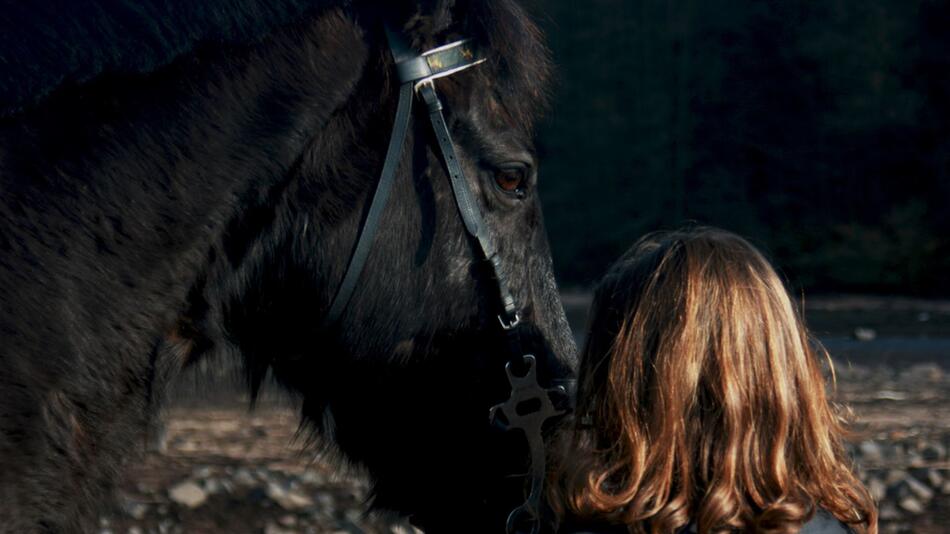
(421, 429)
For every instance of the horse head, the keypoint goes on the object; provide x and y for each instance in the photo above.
(403, 379)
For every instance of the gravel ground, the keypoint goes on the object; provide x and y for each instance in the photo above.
(902, 435)
(225, 469)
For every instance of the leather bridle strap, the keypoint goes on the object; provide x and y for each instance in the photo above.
(373, 217)
(416, 73)
(468, 210)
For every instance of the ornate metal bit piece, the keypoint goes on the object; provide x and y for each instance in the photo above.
(527, 409)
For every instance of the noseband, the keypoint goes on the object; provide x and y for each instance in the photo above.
(529, 404)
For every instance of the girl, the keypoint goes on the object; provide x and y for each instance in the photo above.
(701, 403)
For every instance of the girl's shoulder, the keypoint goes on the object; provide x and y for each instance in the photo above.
(822, 523)
(825, 523)
(593, 529)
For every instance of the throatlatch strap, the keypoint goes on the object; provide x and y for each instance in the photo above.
(364, 242)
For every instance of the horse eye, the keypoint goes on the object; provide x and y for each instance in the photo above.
(512, 180)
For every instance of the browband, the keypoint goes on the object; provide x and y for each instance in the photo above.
(436, 63)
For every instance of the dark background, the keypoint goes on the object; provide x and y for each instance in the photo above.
(820, 130)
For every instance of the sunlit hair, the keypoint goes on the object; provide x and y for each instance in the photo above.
(702, 401)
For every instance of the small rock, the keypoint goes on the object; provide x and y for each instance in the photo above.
(286, 498)
(135, 530)
(271, 528)
(891, 395)
(187, 445)
(243, 477)
(910, 504)
(138, 511)
(946, 488)
(894, 453)
(313, 478)
(933, 452)
(911, 487)
(211, 486)
(134, 509)
(894, 477)
(288, 520)
(188, 494)
(298, 500)
(326, 501)
(877, 488)
(202, 472)
(320, 516)
(262, 474)
(922, 373)
(933, 478)
(863, 333)
(888, 512)
(275, 491)
(405, 529)
(870, 452)
(227, 486)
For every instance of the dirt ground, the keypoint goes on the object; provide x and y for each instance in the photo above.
(224, 468)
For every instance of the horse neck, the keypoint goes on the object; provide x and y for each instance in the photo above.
(140, 177)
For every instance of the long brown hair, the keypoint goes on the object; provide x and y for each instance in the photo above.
(701, 400)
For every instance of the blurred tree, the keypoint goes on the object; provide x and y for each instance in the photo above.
(821, 130)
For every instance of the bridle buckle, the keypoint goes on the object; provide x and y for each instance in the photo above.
(512, 324)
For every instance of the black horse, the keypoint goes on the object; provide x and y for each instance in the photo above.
(204, 201)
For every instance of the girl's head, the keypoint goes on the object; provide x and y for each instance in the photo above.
(701, 400)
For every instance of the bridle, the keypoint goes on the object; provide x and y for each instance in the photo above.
(529, 405)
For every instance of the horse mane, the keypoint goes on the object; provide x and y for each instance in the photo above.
(55, 43)
(48, 44)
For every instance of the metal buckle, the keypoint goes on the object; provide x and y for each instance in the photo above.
(511, 324)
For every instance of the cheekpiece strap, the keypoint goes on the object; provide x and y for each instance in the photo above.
(414, 71)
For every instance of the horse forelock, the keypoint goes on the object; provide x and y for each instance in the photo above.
(515, 79)
(518, 58)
